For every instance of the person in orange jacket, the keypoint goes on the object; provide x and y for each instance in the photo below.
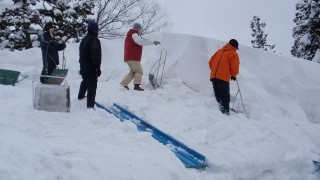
(224, 65)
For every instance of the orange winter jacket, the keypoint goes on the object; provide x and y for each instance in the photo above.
(224, 63)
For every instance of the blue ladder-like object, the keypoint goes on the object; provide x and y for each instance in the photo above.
(189, 157)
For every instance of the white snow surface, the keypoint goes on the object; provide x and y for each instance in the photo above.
(278, 139)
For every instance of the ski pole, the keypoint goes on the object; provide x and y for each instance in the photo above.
(234, 100)
(239, 92)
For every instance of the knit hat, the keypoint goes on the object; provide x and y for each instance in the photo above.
(93, 27)
(137, 26)
(48, 26)
(234, 43)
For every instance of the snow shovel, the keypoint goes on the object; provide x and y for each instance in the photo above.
(154, 72)
(58, 75)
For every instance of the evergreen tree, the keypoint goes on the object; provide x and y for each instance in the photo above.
(70, 17)
(260, 38)
(21, 25)
(306, 32)
(15, 25)
(316, 57)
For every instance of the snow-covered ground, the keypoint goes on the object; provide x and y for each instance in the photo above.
(278, 140)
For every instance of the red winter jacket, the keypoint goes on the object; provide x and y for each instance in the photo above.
(132, 50)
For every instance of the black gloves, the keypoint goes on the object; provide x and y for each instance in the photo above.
(233, 78)
(98, 72)
(53, 41)
(156, 43)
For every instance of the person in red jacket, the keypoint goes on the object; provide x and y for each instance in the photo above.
(224, 65)
(132, 56)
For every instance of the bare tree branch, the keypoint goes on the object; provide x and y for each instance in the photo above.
(115, 17)
(154, 18)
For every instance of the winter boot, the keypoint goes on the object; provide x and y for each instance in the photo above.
(126, 87)
(138, 88)
(91, 108)
(81, 97)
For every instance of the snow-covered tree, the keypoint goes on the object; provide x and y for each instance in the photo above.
(316, 57)
(70, 17)
(307, 30)
(260, 37)
(16, 25)
(21, 24)
(115, 17)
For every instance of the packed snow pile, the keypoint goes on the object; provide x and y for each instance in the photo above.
(278, 139)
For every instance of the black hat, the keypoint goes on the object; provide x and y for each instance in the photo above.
(93, 27)
(234, 43)
(48, 26)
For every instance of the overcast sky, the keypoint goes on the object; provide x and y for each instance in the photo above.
(224, 20)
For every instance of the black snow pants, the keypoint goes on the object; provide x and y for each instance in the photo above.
(88, 84)
(222, 93)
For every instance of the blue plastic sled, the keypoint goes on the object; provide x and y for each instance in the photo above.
(189, 157)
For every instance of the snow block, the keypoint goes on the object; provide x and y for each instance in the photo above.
(51, 98)
(317, 165)
(189, 157)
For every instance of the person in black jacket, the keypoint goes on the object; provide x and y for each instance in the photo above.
(49, 48)
(90, 61)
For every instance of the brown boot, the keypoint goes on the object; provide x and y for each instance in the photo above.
(137, 87)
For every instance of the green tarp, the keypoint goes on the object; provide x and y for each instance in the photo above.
(8, 77)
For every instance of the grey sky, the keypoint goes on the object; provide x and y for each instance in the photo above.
(224, 20)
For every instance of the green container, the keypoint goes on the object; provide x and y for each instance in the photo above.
(8, 77)
(58, 73)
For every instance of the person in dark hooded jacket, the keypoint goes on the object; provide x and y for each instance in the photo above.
(90, 61)
(49, 48)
